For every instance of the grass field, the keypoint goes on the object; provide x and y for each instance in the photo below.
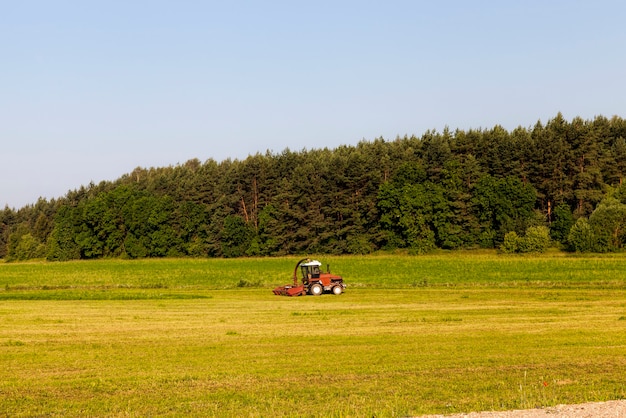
(442, 333)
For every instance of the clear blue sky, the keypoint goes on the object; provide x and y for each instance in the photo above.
(89, 90)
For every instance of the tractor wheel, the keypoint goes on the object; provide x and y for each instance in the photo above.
(337, 290)
(316, 289)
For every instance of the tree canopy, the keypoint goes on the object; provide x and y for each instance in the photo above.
(450, 189)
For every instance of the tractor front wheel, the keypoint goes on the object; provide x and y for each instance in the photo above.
(316, 289)
(337, 290)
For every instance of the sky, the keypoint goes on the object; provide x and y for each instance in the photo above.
(90, 90)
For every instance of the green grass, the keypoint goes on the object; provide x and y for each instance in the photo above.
(441, 333)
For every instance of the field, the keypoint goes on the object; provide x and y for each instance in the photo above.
(441, 333)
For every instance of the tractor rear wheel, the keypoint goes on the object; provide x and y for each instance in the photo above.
(337, 290)
(316, 289)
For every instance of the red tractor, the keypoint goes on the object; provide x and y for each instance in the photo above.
(313, 281)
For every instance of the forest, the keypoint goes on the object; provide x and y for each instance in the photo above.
(555, 184)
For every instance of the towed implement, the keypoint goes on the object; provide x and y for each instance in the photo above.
(312, 281)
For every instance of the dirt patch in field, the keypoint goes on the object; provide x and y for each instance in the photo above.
(609, 409)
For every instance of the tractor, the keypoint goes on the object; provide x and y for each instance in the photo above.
(313, 281)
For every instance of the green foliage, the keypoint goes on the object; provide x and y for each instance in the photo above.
(581, 237)
(359, 244)
(23, 245)
(503, 205)
(605, 231)
(511, 242)
(62, 245)
(448, 190)
(608, 222)
(410, 173)
(620, 192)
(421, 215)
(563, 222)
(535, 240)
(235, 237)
(405, 214)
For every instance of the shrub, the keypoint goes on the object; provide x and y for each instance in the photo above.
(536, 240)
(510, 243)
(581, 237)
(608, 222)
(25, 247)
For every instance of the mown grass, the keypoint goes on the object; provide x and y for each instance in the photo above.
(441, 333)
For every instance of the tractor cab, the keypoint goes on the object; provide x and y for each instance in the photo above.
(310, 270)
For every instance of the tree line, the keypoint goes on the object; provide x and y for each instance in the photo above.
(558, 183)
